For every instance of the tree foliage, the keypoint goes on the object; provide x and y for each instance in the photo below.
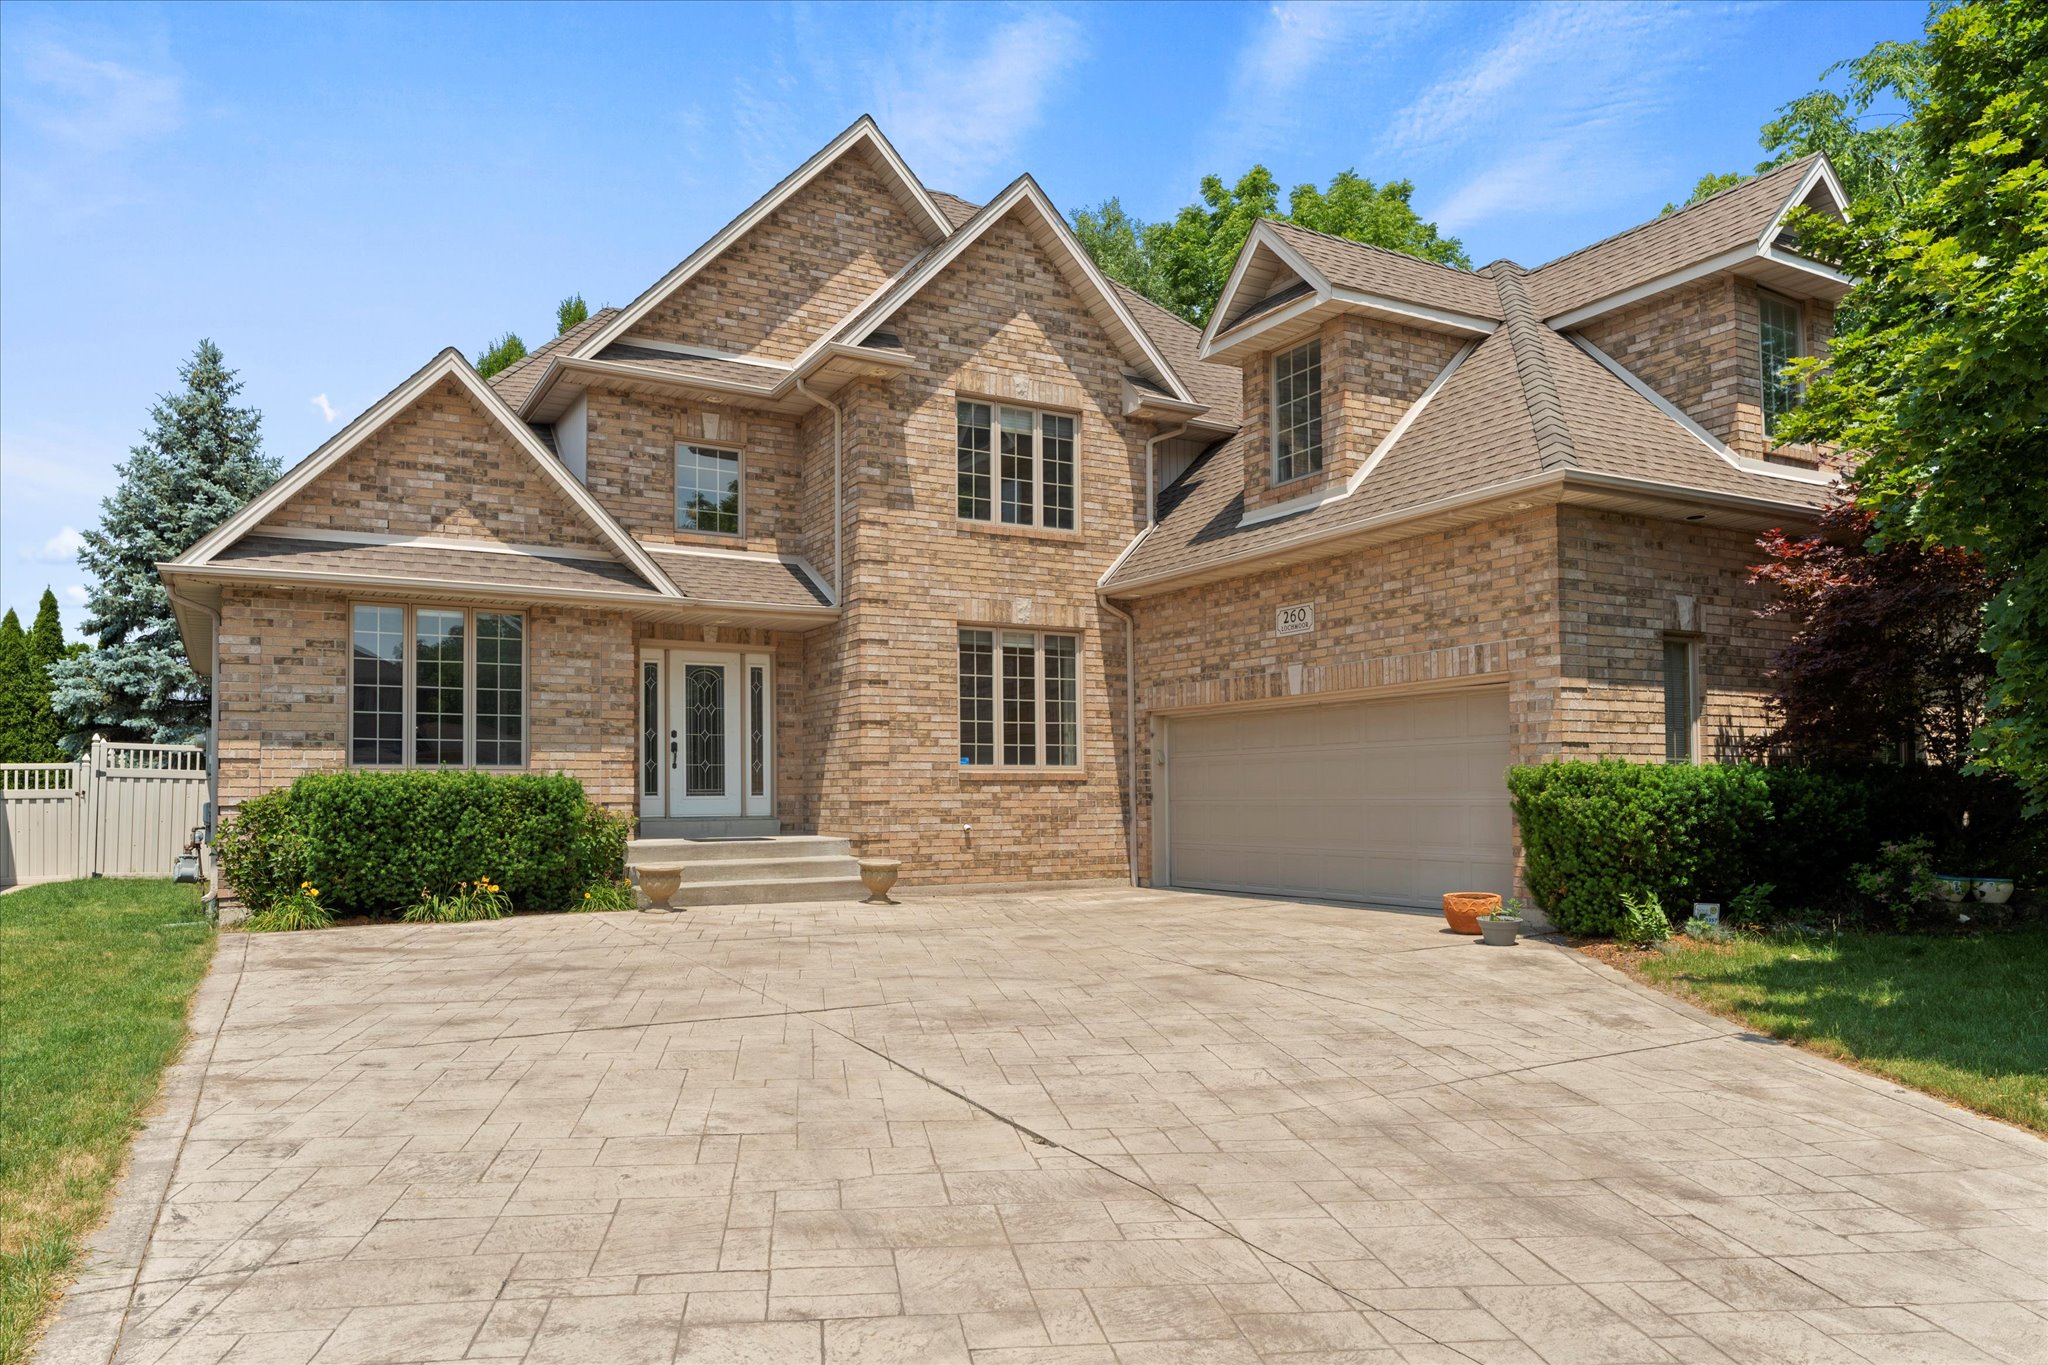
(1940, 376)
(502, 354)
(15, 674)
(571, 312)
(1183, 262)
(198, 462)
(1885, 664)
(1707, 187)
(29, 729)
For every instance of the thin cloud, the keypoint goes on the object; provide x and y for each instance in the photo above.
(61, 548)
(92, 104)
(325, 408)
(74, 593)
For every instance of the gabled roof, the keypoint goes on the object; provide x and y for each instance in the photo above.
(516, 380)
(1740, 224)
(1219, 388)
(1023, 196)
(862, 135)
(1522, 413)
(449, 364)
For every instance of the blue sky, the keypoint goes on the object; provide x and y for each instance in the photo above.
(335, 192)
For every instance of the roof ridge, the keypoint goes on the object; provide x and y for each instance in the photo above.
(1554, 448)
(1746, 183)
(1370, 246)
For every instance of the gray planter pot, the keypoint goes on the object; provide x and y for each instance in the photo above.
(1499, 933)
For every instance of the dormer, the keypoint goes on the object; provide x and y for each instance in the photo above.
(1335, 341)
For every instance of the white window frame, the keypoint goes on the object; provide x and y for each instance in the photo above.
(1041, 720)
(410, 690)
(1764, 298)
(1315, 392)
(739, 456)
(996, 409)
(1694, 701)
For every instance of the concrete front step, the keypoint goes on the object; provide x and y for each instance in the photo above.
(768, 869)
(686, 852)
(768, 891)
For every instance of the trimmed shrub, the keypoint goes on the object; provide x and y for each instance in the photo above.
(1593, 833)
(377, 842)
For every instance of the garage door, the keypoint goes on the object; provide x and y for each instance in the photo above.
(1389, 802)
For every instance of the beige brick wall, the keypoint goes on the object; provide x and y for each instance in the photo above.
(283, 678)
(800, 271)
(630, 468)
(883, 691)
(1700, 346)
(441, 467)
(1373, 371)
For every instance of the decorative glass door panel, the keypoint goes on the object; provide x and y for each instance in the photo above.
(706, 734)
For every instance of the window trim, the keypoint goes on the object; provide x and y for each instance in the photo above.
(1273, 415)
(675, 474)
(1041, 721)
(1770, 381)
(994, 521)
(409, 612)
(1696, 701)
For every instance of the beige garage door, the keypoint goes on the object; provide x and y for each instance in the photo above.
(1388, 802)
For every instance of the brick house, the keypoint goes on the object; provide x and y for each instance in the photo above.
(887, 517)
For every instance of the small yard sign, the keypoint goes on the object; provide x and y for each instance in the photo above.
(1298, 619)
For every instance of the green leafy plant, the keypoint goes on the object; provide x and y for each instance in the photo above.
(608, 895)
(1510, 909)
(1642, 919)
(1707, 930)
(469, 902)
(261, 851)
(301, 909)
(1752, 904)
(1899, 881)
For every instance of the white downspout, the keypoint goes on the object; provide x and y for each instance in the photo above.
(1130, 731)
(1152, 473)
(838, 491)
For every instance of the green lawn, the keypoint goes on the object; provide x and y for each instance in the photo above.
(95, 977)
(1962, 1018)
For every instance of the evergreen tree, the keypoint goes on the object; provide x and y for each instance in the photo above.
(14, 691)
(507, 351)
(199, 461)
(571, 312)
(45, 646)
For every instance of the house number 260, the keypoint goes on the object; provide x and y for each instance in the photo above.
(1299, 619)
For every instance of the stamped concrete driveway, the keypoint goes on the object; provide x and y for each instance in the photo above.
(1078, 1126)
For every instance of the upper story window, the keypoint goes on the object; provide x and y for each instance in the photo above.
(1298, 412)
(1015, 464)
(707, 490)
(437, 687)
(1782, 343)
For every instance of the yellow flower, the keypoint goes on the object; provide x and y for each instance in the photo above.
(313, 891)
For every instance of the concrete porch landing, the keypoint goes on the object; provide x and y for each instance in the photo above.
(760, 870)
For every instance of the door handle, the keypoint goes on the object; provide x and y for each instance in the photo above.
(671, 748)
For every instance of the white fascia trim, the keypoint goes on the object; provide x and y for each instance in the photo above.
(1818, 173)
(466, 543)
(1705, 437)
(1442, 317)
(700, 353)
(1244, 332)
(863, 130)
(1727, 260)
(1407, 419)
(450, 363)
(1125, 553)
(1806, 265)
(524, 592)
(1262, 234)
(752, 556)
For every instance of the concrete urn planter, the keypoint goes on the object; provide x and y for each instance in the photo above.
(1462, 909)
(658, 884)
(878, 875)
(1499, 933)
(1992, 890)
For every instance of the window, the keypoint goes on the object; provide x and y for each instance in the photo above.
(1020, 699)
(1298, 412)
(1681, 701)
(707, 490)
(650, 728)
(1016, 460)
(1778, 321)
(418, 699)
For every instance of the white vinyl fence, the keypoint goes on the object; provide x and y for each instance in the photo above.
(125, 810)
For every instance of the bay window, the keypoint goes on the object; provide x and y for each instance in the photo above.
(437, 687)
(1020, 699)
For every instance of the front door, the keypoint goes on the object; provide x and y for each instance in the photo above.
(705, 748)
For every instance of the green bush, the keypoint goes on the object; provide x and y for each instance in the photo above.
(377, 842)
(1594, 832)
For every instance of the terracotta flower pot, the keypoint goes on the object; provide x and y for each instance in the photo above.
(658, 884)
(1462, 909)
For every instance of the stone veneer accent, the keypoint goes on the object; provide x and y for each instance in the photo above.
(441, 467)
(1700, 346)
(283, 678)
(1373, 371)
(802, 270)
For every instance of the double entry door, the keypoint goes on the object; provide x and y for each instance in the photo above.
(707, 746)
